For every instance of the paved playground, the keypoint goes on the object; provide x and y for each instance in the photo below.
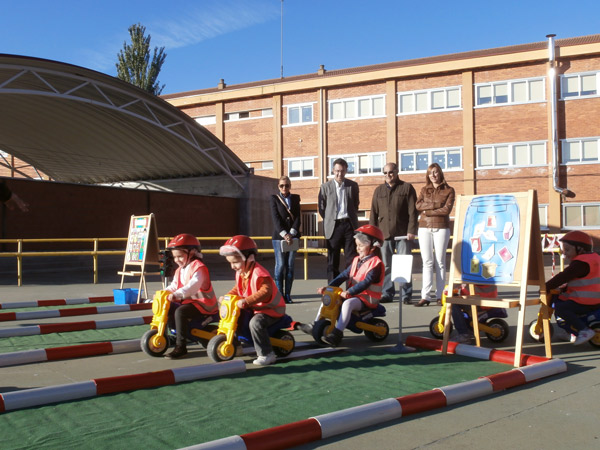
(558, 412)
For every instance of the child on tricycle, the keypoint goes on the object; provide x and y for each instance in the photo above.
(191, 293)
(258, 293)
(581, 279)
(364, 282)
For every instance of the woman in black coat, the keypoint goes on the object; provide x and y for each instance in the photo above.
(285, 212)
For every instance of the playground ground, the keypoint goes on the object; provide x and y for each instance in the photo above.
(558, 412)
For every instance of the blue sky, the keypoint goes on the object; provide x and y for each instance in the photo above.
(240, 40)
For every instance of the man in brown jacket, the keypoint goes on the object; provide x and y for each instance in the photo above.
(393, 211)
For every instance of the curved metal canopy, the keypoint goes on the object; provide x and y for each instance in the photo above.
(78, 125)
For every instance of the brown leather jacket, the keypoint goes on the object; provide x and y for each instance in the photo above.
(435, 205)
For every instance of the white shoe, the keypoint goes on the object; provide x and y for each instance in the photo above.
(584, 336)
(265, 360)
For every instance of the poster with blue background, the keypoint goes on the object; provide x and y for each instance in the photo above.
(490, 239)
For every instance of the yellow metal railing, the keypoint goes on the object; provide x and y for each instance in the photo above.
(304, 250)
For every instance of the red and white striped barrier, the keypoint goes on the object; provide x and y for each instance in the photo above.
(68, 352)
(58, 302)
(352, 419)
(51, 313)
(74, 326)
(11, 401)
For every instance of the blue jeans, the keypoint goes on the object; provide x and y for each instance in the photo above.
(402, 247)
(284, 269)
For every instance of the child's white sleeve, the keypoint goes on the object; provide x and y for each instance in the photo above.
(192, 287)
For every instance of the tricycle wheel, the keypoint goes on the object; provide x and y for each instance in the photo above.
(437, 330)
(211, 328)
(284, 336)
(595, 341)
(154, 345)
(377, 337)
(539, 337)
(318, 331)
(501, 326)
(218, 350)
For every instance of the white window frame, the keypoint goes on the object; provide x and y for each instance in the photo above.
(543, 214)
(565, 206)
(564, 79)
(299, 106)
(206, 120)
(354, 159)
(430, 93)
(302, 160)
(509, 92)
(266, 164)
(580, 141)
(355, 101)
(235, 116)
(510, 163)
(429, 152)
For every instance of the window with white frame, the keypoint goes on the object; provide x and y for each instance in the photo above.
(579, 85)
(510, 92)
(419, 160)
(518, 154)
(206, 120)
(431, 100)
(361, 163)
(301, 167)
(357, 108)
(581, 215)
(300, 114)
(583, 151)
(543, 213)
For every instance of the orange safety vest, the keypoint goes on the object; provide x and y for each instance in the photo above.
(204, 300)
(275, 306)
(585, 290)
(370, 296)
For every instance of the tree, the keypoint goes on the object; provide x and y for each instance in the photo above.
(134, 64)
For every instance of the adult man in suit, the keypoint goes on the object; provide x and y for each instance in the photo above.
(393, 210)
(285, 212)
(338, 206)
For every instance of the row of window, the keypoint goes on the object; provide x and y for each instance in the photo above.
(497, 93)
(576, 216)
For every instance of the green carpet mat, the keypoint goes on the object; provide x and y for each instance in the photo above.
(195, 412)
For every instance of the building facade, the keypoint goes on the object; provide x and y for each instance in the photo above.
(498, 120)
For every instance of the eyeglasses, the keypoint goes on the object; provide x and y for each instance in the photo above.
(284, 185)
(391, 172)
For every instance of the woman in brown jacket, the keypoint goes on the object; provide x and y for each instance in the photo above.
(434, 203)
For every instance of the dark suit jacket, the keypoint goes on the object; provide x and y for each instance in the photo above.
(328, 204)
(282, 219)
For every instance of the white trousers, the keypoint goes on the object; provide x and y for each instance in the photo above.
(433, 240)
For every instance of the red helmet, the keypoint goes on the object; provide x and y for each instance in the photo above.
(239, 245)
(184, 242)
(372, 231)
(578, 239)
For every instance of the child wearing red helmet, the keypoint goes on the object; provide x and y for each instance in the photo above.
(258, 291)
(191, 289)
(581, 293)
(364, 281)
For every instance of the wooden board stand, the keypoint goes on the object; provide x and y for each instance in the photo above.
(496, 242)
(142, 250)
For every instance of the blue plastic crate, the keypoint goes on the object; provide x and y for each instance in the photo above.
(125, 296)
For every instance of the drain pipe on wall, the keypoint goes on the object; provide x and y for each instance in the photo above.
(555, 160)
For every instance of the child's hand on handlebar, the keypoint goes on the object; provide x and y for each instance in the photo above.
(320, 290)
(344, 294)
(241, 303)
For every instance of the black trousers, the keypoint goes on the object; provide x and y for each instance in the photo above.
(183, 315)
(342, 237)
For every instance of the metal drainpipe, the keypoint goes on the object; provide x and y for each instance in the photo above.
(553, 102)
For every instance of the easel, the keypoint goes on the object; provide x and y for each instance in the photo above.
(141, 242)
(496, 242)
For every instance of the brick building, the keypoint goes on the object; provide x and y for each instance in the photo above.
(487, 117)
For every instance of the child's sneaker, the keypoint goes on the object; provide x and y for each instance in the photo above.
(178, 352)
(465, 338)
(584, 336)
(265, 360)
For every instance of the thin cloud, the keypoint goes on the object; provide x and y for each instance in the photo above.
(200, 25)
